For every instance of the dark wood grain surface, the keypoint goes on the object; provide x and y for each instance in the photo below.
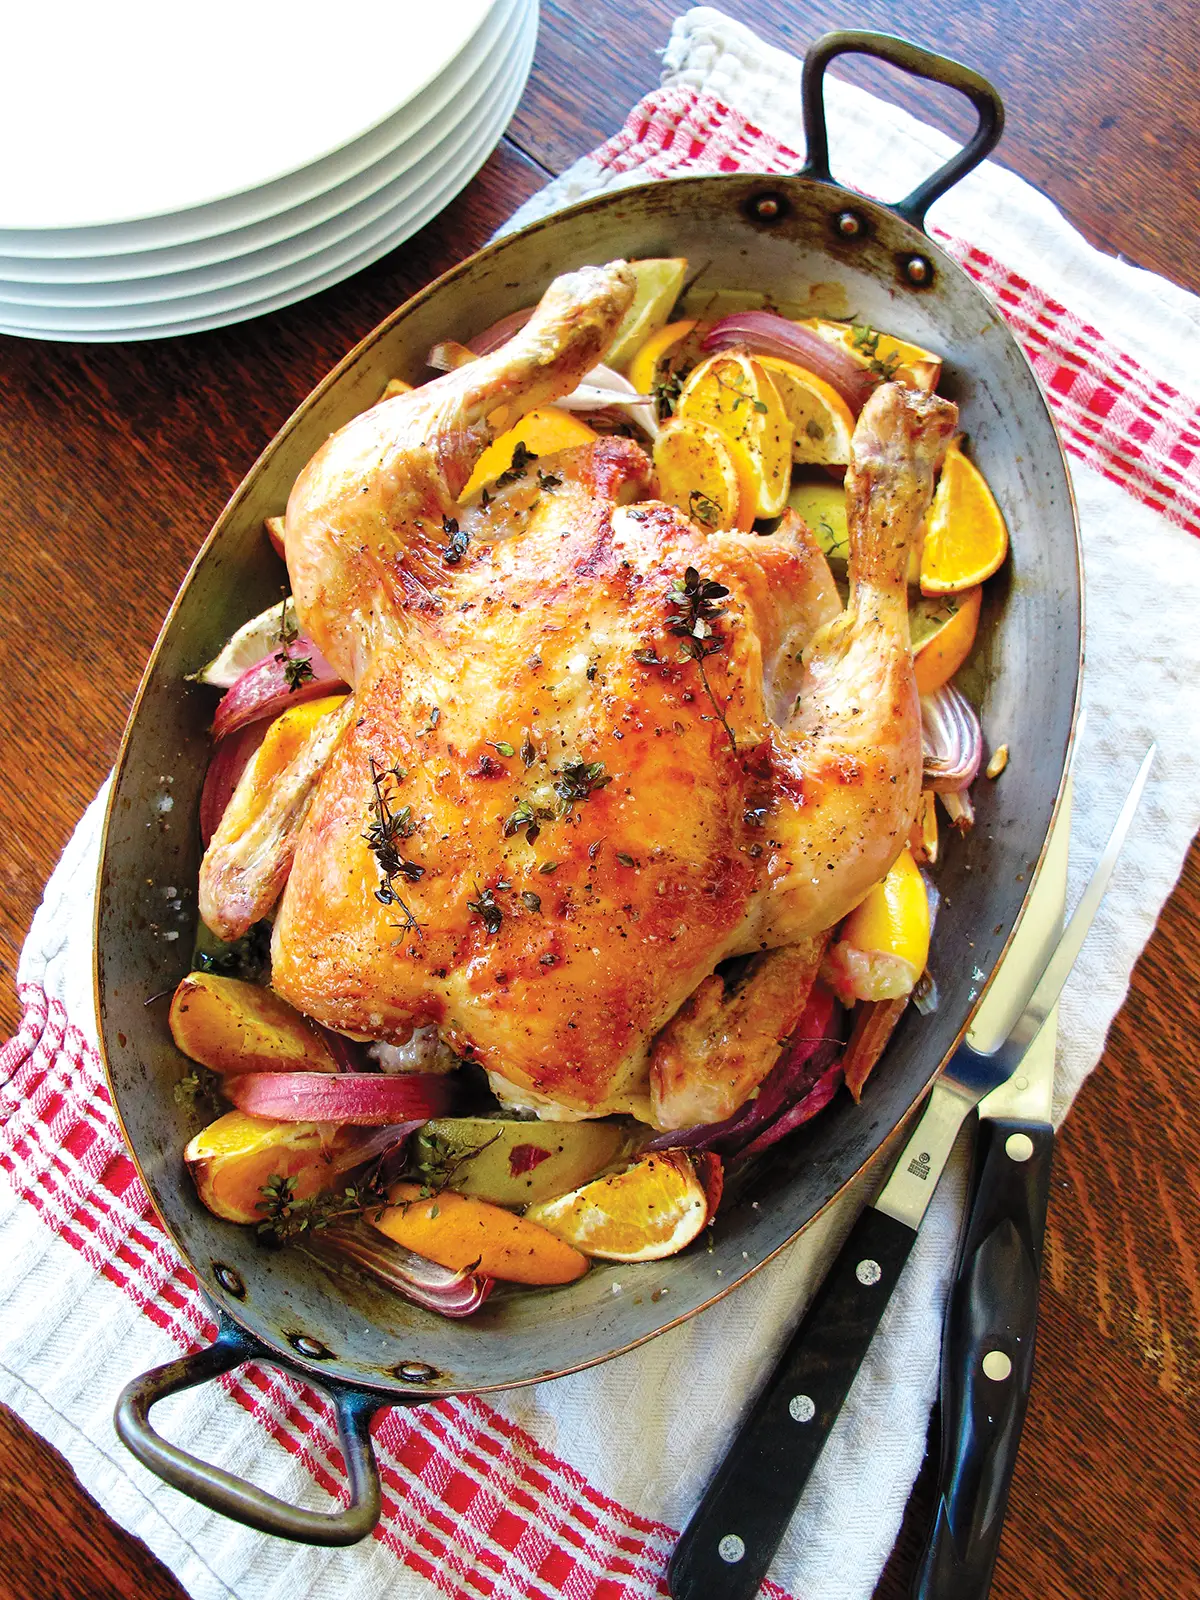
(114, 461)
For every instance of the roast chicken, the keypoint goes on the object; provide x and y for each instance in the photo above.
(592, 750)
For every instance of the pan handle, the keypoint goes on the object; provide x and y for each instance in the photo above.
(921, 64)
(230, 1495)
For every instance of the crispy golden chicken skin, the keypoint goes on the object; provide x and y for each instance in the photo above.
(553, 810)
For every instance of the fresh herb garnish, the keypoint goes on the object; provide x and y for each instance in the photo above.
(579, 780)
(703, 510)
(865, 339)
(501, 747)
(297, 670)
(548, 480)
(521, 458)
(528, 753)
(625, 860)
(434, 718)
(457, 542)
(694, 600)
(521, 816)
(285, 1217)
(487, 910)
(548, 867)
(739, 390)
(531, 901)
(384, 836)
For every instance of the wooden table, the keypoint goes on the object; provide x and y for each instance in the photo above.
(114, 461)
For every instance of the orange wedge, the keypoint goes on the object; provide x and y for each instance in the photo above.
(466, 1234)
(705, 475)
(651, 360)
(541, 432)
(887, 356)
(236, 1155)
(735, 395)
(965, 536)
(822, 422)
(643, 1214)
(943, 631)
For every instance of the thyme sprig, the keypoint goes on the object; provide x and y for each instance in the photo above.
(297, 670)
(487, 909)
(703, 510)
(865, 339)
(387, 831)
(457, 541)
(579, 780)
(521, 459)
(694, 602)
(285, 1217)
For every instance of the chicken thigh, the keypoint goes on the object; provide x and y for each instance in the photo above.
(582, 764)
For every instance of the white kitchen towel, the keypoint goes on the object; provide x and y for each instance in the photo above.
(578, 1487)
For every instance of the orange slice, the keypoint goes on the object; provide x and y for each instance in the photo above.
(965, 536)
(735, 395)
(541, 432)
(463, 1233)
(705, 475)
(650, 361)
(943, 631)
(883, 944)
(236, 1155)
(822, 422)
(887, 356)
(643, 1214)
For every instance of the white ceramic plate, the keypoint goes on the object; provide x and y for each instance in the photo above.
(159, 108)
(416, 166)
(439, 106)
(286, 287)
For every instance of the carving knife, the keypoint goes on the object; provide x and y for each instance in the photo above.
(727, 1546)
(991, 1314)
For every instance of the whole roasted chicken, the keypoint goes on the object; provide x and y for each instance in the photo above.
(591, 752)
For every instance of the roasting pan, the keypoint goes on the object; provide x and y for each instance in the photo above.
(368, 1348)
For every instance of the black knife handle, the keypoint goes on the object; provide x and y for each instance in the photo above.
(987, 1357)
(727, 1546)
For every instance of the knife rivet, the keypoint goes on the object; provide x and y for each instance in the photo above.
(801, 1408)
(996, 1366)
(731, 1548)
(868, 1272)
(1018, 1147)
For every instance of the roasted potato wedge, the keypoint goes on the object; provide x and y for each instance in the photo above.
(515, 1163)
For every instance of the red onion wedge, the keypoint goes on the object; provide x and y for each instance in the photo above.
(366, 1099)
(814, 1047)
(453, 1294)
(226, 765)
(951, 739)
(263, 689)
(766, 333)
(803, 1110)
(492, 338)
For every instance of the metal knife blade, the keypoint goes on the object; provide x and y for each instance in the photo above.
(728, 1544)
(970, 1074)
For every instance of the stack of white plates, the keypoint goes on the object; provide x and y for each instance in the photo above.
(188, 165)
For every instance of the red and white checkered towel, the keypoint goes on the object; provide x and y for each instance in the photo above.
(577, 1488)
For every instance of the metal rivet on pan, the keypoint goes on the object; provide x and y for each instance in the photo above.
(310, 1347)
(1018, 1147)
(996, 1366)
(868, 1272)
(731, 1548)
(767, 207)
(919, 270)
(415, 1371)
(849, 224)
(229, 1280)
(801, 1408)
